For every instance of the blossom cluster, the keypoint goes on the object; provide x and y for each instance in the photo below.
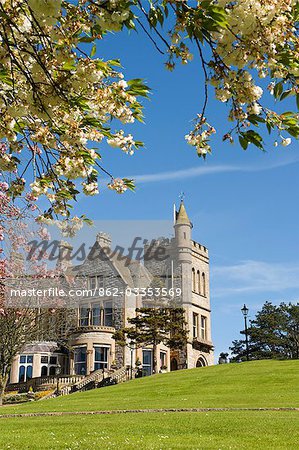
(118, 185)
(55, 100)
(199, 137)
(248, 40)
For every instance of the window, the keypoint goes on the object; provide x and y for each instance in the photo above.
(193, 280)
(96, 314)
(195, 325)
(100, 358)
(25, 370)
(93, 282)
(52, 371)
(108, 313)
(203, 279)
(96, 282)
(163, 360)
(100, 281)
(203, 327)
(84, 316)
(29, 373)
(80, 360)
(44, 371)
(147, 362)
(53, 360)
(198, 281)
(21, 374)
(26, 359)
(49, 364)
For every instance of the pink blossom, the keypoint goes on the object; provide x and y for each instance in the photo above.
(3, 186)
(3, 147)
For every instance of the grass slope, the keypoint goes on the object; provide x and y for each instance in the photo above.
(253, 384)
(217, 430)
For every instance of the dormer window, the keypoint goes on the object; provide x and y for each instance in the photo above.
(96, 282)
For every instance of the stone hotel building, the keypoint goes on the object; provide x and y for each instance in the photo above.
(91, 346)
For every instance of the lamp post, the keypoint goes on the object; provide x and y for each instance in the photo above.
(245, 314)
(57, 373)
(131, 345)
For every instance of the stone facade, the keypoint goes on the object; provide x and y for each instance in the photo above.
(186, 267)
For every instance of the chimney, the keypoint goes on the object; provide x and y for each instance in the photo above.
(64, 261)
(104, 240)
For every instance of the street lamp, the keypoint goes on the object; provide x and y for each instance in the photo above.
(57, 373)
(245, 314)
(131, 345)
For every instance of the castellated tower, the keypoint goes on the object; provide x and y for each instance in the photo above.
(192, 262)
(187, 266)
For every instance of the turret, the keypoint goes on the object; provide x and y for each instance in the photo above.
(182, 227)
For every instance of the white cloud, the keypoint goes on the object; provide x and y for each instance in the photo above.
(254, 276)
(209, 170)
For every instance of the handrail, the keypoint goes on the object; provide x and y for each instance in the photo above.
(119, 376)
(38, 381)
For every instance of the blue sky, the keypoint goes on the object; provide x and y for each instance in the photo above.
(244, 205)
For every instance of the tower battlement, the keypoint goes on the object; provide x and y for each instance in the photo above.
(200, 247)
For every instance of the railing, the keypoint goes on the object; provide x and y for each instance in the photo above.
(68, 384)
(120, 375)
(39, 381)
(86, 328)
(94, 379)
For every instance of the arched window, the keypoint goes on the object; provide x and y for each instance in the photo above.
(21, 374)
(198, 281)
(44, 371)
(28, 373)
(173, 364)
(52, 370)
(203, 280)
(193, 280)
(201, 362)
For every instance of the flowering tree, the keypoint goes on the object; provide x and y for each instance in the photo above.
(23, 320)
(57, 99)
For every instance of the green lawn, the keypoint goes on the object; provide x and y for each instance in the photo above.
(253, 384)
(215, 430)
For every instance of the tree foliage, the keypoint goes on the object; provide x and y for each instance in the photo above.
(153, 326)
(58, 100)
(27, 318)
(274, 333)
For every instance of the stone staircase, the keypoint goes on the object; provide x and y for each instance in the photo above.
(94, 380)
